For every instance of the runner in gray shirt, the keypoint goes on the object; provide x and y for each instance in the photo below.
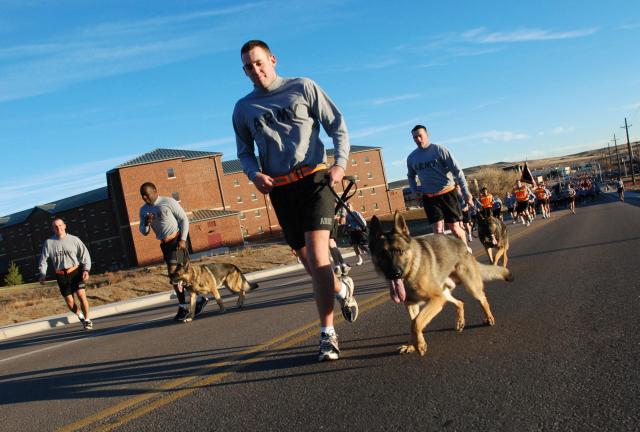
(282, 117)
(71, 263)
(438, 172)
(170, 224)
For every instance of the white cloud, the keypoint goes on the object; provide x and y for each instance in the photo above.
(392, 99)
(114, 48)
(488, 137)
(373, 130)
(562, 129)
(629, 26)
(481, 35)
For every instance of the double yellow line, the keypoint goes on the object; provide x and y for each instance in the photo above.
(213, 372)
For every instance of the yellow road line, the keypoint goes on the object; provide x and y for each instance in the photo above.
(228, 367)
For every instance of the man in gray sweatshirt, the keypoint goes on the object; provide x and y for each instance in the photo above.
(438, 172)
(170, 224)
(71, 263)
(282, 117)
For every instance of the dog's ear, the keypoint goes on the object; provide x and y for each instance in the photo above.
(400, 224)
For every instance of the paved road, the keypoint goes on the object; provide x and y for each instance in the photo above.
(563, 355)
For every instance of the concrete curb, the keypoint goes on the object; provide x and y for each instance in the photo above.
(47, 323)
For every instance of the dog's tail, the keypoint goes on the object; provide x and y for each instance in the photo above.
(245, 281)
(492, 272)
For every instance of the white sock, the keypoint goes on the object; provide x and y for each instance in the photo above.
(342, 294)
(359, 259)
(80, 316)
(327, 330)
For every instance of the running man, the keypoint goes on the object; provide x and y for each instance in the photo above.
(620, 187)
(282, 117)
(510, 202)
(71, 262)
(542, 196)
(466, 219)
(522, 192)
(486, 201)
(436, 169)
(340, 267)
(497, 207)
(571, 198)
(357, 226)
(170, 224)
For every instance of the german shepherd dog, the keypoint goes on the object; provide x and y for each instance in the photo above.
(489, 227)
(423, 272)
(202, 279)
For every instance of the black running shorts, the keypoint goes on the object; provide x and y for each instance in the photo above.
(304, 205)
(522, 206)
(171, 254)
(71, 282)
(442, 207)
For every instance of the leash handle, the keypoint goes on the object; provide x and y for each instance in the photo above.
(341, 200)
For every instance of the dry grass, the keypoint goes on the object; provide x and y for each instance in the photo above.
(32, 301)
(497, 181)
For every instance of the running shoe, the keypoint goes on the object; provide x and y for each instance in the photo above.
(337, 270)
(328, 347)
(88, 324)
(360, 261)
(469, 237)
(348, 305)
(345, 268)
(182, 314)
(200, 304)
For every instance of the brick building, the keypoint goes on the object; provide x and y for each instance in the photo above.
(223, 207)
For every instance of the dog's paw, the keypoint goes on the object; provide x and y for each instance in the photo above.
(187, 320)
(508, 276)
(406, 349)
(491, 321)
(459, 326)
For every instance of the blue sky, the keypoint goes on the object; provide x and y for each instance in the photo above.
(88, 84)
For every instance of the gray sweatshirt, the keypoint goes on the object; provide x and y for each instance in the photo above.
(436, 169)
(284, 122)
(169, 218)
(65, 252)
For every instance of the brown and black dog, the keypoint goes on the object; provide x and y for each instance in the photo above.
(207, 278)
(423, 272)
(490, 228)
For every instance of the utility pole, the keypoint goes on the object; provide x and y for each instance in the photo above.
(609, 148)
(626, 127)
(615, 144)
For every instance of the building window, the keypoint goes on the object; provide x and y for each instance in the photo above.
(245, 232)
(242, 215)
(366, 159)
(360, 194)
(175, 196)
(239, 199)
(236, 182)
(369, 175)
(376, 206)
(170, 173)
(354, 162)
(373, 191)
(254, 197)
(356, 178)
(257, 213)
(363, 209)
(260, 230)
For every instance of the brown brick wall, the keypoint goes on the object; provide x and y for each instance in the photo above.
(213, 233)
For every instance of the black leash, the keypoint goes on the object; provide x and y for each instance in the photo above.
(341, 200)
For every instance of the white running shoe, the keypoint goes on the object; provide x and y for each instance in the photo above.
(348, 305)
(328, 347)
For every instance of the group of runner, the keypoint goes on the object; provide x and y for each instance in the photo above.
(277, 130)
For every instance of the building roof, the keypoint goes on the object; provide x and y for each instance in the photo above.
(354, 149)
(207, 214)
(398, 184)
(58, 206)
(231, 166)
(234, 166)
(159, 155)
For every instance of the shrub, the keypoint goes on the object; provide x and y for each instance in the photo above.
(497, 181)
(14, 277)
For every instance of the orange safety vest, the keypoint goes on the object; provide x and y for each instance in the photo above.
(541, 193)
(521, 193)
(486, 200)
